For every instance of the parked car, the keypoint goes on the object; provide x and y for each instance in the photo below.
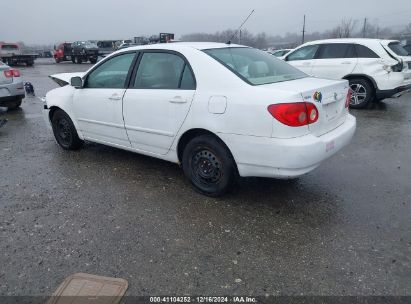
(280, 53)
(105, 47)
(219, 110)
(83, 51)
(63, 52)
(373, 71)
(408, 49)
(126, 45)
(11, 87)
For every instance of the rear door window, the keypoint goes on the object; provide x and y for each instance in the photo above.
(163, 71)
(336, 51)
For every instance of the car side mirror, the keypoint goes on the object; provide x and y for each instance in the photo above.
(76, 82)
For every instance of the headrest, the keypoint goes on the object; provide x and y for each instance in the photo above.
(258, 69)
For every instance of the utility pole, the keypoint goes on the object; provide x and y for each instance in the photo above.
(364, 28)
(303, 31)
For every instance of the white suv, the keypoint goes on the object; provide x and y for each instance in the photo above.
(376, 69)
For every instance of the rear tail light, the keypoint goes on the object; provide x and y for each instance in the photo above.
(295, 114)
(16, 73)
(8, 73)
(12, 73)
(348, 100)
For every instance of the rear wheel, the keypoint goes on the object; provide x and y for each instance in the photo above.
(209, 166)
(64, 131)
(73, 59)
(79, 60)
(362, 93)
(93, 60)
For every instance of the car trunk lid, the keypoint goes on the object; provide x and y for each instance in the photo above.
(329, 97)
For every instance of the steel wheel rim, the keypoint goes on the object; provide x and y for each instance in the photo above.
(359, 94)
(63, 132)
(206, 167)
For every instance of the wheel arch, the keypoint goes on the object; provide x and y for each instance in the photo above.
(188, 135)
(54, 108)
(366, 77)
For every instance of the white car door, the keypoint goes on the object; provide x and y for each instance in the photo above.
(303, 58)
(335, 60)
(158, 100)
(98, 105)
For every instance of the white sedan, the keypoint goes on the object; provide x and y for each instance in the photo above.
(219, 110)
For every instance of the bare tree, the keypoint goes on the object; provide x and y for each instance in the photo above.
(344, 30)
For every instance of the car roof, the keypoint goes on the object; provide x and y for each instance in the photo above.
(185, 45)
(364, 41)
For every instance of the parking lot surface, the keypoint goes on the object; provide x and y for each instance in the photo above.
(343, 229)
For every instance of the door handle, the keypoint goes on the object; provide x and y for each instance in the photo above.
(177, 99)
(115, 97)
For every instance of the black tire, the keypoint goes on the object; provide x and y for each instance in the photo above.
(363, 93)
(79, 60)
(93, 60)
(58, 60)
(73, 59)
(65, 132)
(30, 63)
(209, 166)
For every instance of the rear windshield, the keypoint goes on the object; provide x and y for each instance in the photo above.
(254, 66)
(9, 47)
(397, 48)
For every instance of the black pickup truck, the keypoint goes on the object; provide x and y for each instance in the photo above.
(83, 51)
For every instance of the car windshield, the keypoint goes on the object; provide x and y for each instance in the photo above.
(397, 48)
(254, 66)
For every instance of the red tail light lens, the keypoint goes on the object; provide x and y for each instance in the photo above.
(12, 73)
(8, 73)
(348, 100)
(294, 114)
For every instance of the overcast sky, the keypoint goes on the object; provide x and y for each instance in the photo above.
(51, 21)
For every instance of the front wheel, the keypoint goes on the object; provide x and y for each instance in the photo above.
(362, 93)
(209, 166)
(65, 132)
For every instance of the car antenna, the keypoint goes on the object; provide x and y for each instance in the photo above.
(239, 29)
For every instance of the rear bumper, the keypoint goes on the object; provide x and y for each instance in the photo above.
(287, 158)
(394, 93)
(11, 92)
(6, 99)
